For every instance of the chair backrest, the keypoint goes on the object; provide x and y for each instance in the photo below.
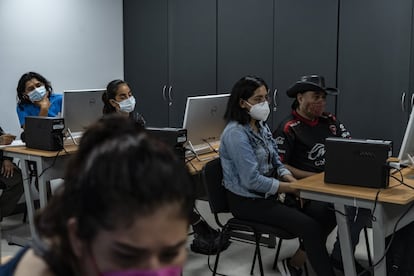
(212, 177)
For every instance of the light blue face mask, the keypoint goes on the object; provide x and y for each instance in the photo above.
(37, 94)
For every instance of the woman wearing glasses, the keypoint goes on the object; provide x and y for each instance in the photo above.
(257, 181)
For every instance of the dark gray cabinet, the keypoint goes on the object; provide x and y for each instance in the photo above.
(178, 48)
(278, 40)
(305, 42)
(170, 53)
(374, 67)
(244, 41)
(146, 57)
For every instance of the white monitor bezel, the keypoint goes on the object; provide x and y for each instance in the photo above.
(65, 92)
(198, 142)
(407, 146)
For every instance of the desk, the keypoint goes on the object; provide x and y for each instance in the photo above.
(45, 163)
(51, 163)
(392, 203)
(195, 166)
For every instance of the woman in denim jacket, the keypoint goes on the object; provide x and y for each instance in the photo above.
(254, 176)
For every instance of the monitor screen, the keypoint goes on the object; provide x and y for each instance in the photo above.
(407, 147)
(81, 108)
(203, 119)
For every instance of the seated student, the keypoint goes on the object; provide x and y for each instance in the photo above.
(123, 210)
(254, 175)
(36, 97)
(11, 181)
(118, 99)
(301, 141)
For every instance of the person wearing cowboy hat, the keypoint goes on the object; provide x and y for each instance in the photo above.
(301, 137)
(306, 128)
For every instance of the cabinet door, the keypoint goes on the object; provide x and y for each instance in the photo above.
(146, 55)
(305, 43)
(374, 66)
(245, 41)
(192, 53)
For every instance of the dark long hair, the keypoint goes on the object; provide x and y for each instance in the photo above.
(21, 86)
(242, 89)
(109, 94)
(117, 175)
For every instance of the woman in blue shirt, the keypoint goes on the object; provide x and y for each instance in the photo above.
(36, 97)
(255, 177)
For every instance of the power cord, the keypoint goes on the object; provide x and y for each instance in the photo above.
(392, 236)
(401, 182)
(53, 163)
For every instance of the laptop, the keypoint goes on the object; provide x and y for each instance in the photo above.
(357, 162)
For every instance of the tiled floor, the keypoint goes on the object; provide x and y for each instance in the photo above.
(236, 260)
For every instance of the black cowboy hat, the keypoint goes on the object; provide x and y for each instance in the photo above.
(310, 83)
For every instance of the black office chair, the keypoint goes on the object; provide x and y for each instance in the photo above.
(212, 177)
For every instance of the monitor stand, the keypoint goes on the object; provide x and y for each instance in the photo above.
(201, 149)
(73, 136)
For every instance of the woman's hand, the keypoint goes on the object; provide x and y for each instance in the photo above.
(6, 139)
(44, 105)
(7, 168)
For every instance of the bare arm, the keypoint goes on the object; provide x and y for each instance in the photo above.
(285, 187)
(298, 173)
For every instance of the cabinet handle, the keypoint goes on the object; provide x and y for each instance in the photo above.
(274, 100)
(170, 100)
(402, 102)
(163, 93)
(412, 101)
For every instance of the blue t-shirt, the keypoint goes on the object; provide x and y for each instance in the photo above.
(30, 109)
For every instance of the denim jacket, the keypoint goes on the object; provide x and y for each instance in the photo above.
(249, 160)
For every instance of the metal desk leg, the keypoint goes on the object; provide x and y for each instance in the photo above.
(345, 240)
(42, 182)
(379, 240)
(28, 196)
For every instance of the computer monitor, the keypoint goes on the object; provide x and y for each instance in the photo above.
(203, 119)
(407, 146)
(81, 108)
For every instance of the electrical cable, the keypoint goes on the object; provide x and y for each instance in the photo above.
(53, 163)
(388, 246)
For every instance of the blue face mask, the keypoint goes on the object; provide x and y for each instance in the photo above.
(37, 94)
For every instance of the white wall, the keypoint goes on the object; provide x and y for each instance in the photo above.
(75, 44)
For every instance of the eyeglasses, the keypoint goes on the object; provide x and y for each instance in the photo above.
(260, 99)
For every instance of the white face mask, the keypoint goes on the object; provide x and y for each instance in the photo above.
(259, 111)
(127, 105)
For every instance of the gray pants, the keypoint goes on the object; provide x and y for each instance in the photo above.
(12, 190)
